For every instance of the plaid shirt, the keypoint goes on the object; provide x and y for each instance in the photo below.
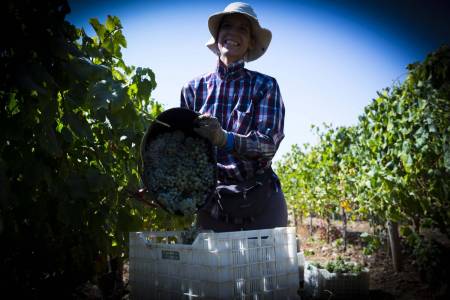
(249, 107)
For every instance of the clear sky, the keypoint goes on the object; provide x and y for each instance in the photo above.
(329, 57)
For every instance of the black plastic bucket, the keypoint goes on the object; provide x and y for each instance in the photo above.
(169, 121)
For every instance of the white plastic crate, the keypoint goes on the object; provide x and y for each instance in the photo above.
(256, 264)
(301, 265)
(322, 284)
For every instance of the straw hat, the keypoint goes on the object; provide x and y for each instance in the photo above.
(262, 36)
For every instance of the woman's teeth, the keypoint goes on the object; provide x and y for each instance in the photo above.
(231, 43)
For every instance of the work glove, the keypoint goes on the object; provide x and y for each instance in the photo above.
(209, 128)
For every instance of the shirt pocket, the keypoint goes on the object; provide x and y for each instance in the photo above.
(241, 121)
(242, 115)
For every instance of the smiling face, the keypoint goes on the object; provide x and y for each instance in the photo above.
(234, 38)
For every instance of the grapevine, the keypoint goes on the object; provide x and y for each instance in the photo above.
(75, 112)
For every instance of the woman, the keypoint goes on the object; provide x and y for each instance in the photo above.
(242, 113)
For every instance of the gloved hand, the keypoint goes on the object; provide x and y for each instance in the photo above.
(209, 128)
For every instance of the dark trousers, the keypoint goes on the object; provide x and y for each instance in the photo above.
(273, 215)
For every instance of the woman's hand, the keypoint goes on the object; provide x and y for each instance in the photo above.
(209, 128)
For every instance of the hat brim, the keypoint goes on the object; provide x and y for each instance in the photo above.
(261, 35)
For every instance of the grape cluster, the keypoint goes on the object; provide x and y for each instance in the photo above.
(178, 171)
(188, 236)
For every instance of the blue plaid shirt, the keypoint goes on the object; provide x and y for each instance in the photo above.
(249, 106)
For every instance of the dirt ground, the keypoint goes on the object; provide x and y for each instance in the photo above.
(385, 283)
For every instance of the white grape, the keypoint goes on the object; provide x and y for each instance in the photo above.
(179, 170)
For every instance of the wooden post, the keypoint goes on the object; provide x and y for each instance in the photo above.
(416, 224)
(295, 220)
(301, 218)
(394, 241)
(328, 229)
(344, 228)
(297, 228)
(310, 224)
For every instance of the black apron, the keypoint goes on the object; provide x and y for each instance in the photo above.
(255, 203)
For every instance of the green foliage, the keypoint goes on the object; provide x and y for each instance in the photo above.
(371, 243)
(308, 252)
(392, 165)
(339, 265)
(404, 138)
(338, 243)
(430, 257)
(72, 116)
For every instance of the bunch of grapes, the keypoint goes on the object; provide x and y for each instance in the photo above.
(178, 171)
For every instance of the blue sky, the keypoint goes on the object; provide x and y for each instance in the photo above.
(329, 57)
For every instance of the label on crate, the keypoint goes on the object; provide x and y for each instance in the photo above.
(173, 255)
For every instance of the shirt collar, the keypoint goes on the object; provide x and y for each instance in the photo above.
(231, 71)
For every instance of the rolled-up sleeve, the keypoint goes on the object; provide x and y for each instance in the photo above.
(263, 142)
